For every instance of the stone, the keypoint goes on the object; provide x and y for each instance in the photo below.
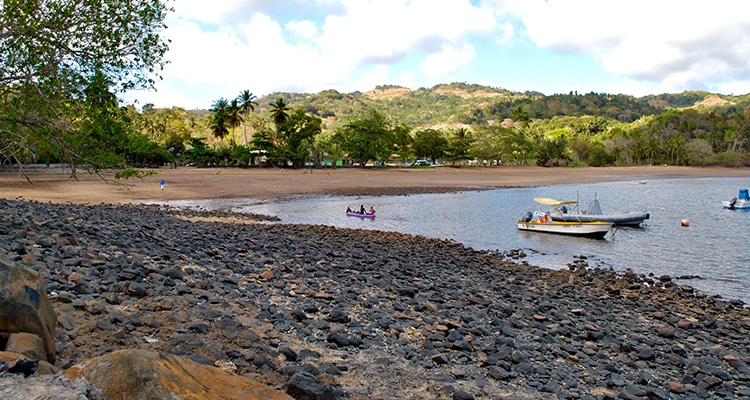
(305, 386)
(27, 344)
(140, 374)
(24, 307)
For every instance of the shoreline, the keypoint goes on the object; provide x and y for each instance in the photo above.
(368, 314)
(225, 183)
(371, 315)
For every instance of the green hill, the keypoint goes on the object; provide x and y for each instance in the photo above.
(469, 104)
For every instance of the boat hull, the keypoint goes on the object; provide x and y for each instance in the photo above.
(596, 230)
(619, 219)
(738, 205)
(358, 215)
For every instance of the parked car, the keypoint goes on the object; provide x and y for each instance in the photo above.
(422, 163)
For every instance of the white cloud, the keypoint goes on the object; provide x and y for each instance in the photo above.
(265, 46)
(447, 60)
(211, 12)
(676, 43)
(374, 77)
(305, 29)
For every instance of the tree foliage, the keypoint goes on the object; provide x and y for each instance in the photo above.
(279, 111)
(52, 52)
(221, 119)
(247, 104)
(366, 139)
(430, 143)
(296, 137)
(459, 143)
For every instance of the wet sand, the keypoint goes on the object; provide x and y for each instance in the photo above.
(207, 183)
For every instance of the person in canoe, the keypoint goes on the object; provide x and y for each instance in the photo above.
(349, 209)
(372, 210)
(362, 209)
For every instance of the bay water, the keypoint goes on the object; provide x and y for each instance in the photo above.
(711, 254)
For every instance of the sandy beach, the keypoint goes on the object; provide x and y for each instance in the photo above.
(194, 183)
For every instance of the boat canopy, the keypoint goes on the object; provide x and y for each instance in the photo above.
(744, 194)
(552, 202)
(595, 208)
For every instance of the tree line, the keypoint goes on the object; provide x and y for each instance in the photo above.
(63, 69)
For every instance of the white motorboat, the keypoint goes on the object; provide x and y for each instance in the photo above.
(541, 222)
(561, 212)
(741, 202)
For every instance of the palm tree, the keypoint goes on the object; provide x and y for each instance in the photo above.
(220, 110)
(279, 111)
(234, 116)
(247, 104)
(519, 115)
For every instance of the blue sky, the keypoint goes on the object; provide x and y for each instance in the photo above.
(219, 48)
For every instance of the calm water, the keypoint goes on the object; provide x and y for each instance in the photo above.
(713, 247)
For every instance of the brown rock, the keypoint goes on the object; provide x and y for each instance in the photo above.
(24, 306)
(267, 275)
(440, 359)
(590, 327)
(676, 387)
(665, 331)
(139, 374)
(43, 368)
(27, 344)
(685, 324)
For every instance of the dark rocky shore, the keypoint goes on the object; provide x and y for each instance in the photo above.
(371, 315)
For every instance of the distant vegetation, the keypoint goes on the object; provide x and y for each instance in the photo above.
(58, 104)
(462, 124)
(458, 124)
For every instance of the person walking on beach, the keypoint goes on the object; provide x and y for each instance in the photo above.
(162, 184)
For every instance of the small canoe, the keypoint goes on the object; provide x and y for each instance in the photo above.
(358, 215)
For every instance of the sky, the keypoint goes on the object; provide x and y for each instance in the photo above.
(637, 47)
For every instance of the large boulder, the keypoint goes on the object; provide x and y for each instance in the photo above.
(140, 374)
(24, 308)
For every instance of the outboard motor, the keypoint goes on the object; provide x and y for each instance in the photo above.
(732, 203)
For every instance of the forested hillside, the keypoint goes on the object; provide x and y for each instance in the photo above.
(476, 104)
(464, 123)
(460, 124)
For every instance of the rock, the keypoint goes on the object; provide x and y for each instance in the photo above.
(462, 395)
(305, 386)
(16, 387)
(139, 374)
(27, 344)
(24, 307)
(676, 387)
(368, 307)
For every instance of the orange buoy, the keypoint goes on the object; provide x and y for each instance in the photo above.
(685, 222)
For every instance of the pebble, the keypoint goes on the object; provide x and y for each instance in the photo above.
(322, 311)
